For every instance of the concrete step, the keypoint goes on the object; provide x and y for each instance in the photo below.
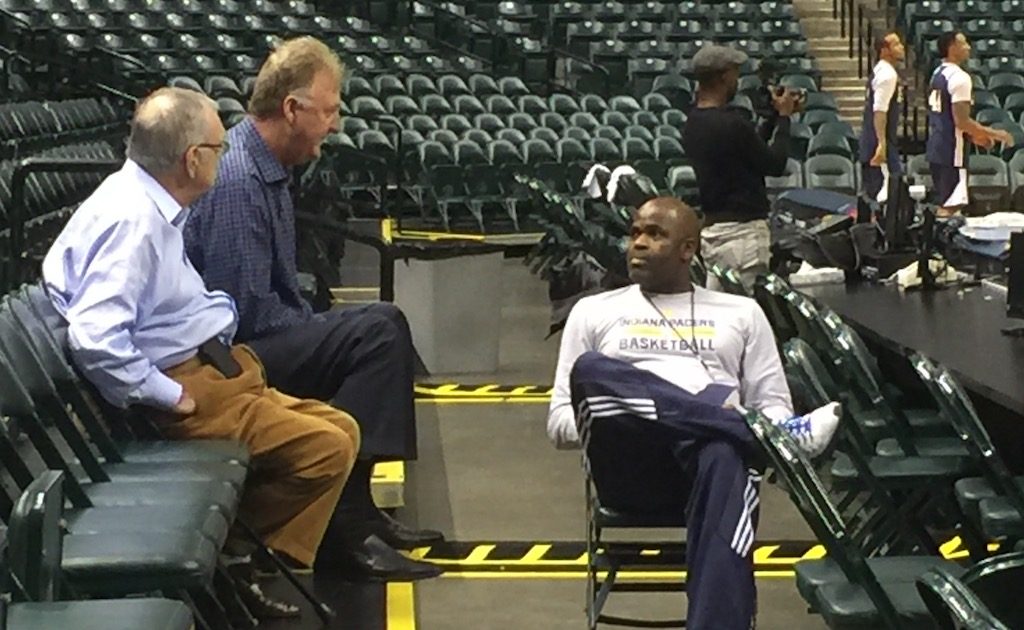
(812, 31)
(823, 13)
(838, 66)
(844, 90)
(832, 49)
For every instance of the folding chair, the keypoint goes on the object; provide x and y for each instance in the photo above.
(917, 479)
(878, 520)
(892, 427)
(848, 589)
(730, 282)
(996, 581)
(953, 604)
(767, 291)
(32, 571)
(610, 557)
(875, 405)
(995, 500)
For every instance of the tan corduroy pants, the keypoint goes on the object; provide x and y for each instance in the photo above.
(302, 450)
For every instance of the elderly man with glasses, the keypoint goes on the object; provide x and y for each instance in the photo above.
(241, 238)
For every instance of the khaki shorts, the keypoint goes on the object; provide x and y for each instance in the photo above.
(743, 247)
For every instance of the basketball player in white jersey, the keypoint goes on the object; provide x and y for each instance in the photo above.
(950, 125)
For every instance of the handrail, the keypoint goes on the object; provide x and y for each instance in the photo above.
(18, 212)
(387, 266)
(605, 74)
(472, 21)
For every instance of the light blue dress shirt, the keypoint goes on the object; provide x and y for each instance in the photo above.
(134, 304)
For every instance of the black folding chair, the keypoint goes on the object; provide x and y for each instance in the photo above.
(847, 588)
(32, 571)
(607, 557)
(995, 500)
(729, 280)
(953, 605)
(879, 521)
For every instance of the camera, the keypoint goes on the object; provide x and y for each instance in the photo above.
(769, 71)
(801, 93)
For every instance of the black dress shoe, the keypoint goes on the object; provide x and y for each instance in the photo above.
(373, 560)
(399, 536)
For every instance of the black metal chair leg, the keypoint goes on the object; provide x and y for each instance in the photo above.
(227, 594)
(322, 610)
(207, 603)
(200, 619)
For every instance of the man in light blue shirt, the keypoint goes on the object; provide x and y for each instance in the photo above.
(133, 303)
(143, 328)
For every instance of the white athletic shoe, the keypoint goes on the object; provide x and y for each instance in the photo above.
(814, 431)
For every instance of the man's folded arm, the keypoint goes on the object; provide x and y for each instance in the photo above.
(101, 321)
(763, 383)
(561, 416)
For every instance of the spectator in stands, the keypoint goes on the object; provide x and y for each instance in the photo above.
(879, 155)
(144, 329)
(241, 238)
(650, 382)
(731, 159)
(950, 125)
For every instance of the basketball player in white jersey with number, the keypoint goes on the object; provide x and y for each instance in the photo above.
(950, 125)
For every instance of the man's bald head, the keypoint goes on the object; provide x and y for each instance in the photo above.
(664, 238)
(166, 123)
(686, 218)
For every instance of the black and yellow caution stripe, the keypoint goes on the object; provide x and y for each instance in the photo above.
(459, 393)
(512, 560)
(569, 558)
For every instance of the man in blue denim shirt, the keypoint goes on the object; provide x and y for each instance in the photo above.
(241, 238)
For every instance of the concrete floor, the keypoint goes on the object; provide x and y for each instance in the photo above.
(487, 473)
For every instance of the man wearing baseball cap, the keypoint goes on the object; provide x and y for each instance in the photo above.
(731, 158)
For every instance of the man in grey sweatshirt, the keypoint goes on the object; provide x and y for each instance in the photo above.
(650, 381)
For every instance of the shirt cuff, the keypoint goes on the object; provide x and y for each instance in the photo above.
(159, 390)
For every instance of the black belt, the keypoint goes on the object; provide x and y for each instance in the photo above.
(218, 354)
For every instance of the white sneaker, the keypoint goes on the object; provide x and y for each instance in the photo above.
(814, 431)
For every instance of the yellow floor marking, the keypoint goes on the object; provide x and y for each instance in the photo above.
(401, 606)
(536, 553)
(479, 554)
(388, 484)
(579, 575)
(490, 401)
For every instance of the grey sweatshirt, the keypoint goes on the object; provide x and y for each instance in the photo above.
(732, 337)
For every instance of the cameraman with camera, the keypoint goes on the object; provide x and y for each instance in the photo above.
(731, 158)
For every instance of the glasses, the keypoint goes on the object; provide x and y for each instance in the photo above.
(327, 112)
(221, 148)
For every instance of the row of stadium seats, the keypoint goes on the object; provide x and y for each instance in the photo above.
(528, 11)
(994, 184)
(629, 42)
(30, 123)
(296, 8)
(634, 141)
(49, 192)
(493, 121)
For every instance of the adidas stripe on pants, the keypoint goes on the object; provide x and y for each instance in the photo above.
(653, 447)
